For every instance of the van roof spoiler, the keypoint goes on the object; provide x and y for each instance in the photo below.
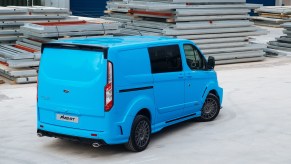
(76, 46)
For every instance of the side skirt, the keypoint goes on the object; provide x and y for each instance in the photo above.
(160, 126)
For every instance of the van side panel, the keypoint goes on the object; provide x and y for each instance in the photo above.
(133, 69)
(133, 84)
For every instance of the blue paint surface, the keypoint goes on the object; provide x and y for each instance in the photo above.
(264, 2)
(88, 8)
(72, 80)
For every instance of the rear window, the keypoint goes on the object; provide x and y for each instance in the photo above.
(165, 59)
(71, 64)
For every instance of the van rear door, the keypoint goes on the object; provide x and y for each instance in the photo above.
(71, 87)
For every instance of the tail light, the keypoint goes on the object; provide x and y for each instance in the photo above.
(37, 90)
(109, 87)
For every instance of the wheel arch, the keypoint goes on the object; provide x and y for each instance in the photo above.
(142, 105)
(213, 91)
(213, 88)
(145, 112)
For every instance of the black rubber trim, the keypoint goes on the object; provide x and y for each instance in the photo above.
(77, 46)
(70, 138)
(135, 89)
(204, 92)
(121, 130)
(181, 118)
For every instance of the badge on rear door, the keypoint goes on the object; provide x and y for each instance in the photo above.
(66, 91)
(67, 118)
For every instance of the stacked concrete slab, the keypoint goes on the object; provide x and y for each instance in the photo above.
(12, 17)
(272, 16)
(282, 43)
(29, 27)
(220, 27)
(18, 62)
(71, 28)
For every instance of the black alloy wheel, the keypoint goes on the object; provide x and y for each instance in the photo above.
(140, 134)
(210, 108)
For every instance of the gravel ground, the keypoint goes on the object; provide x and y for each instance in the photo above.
(253, 127)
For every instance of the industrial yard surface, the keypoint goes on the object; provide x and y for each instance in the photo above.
(253, 126)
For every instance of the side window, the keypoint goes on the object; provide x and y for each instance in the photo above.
(165, 59)
(194, 58)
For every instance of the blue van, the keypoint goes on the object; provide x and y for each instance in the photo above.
(120, 90)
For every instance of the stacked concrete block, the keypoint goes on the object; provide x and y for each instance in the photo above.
(24, 29)
(282, 43)
(221, 28)
(272, 16)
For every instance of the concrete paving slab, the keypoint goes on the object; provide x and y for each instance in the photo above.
(253, 127)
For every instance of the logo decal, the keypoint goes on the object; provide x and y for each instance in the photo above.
(67, 118)
(66, 91)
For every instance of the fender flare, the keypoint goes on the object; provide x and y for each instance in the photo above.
(136, 105)
(209, 87)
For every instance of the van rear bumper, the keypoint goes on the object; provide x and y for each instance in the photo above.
(80, 135)
(71, 138)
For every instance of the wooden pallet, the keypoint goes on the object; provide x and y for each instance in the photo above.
(2, 81)
(145, 18)
(278, 16)
(146, 15)
(162, 16)
(268, 24)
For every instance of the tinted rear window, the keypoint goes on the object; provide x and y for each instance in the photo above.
(165, 59)
(72, 64)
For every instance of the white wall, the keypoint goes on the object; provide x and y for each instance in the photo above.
(279, 2)
(285, 2)
(57, 3)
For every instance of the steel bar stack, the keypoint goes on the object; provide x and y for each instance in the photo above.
(272, 16)
(282, 43)
(220, 27)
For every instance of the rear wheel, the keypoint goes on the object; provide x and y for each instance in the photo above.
(140, 134)
(210, 108)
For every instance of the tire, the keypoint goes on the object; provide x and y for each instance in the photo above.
(210, 109)
(140, 134)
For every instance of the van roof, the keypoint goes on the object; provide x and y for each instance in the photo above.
(119, 41)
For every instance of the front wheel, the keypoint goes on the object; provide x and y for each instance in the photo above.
(210, 108)
(140, 134)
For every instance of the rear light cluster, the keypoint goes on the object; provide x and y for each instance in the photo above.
(37, 90)
(109, 87)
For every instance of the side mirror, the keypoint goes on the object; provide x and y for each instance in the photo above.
(211, 62)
